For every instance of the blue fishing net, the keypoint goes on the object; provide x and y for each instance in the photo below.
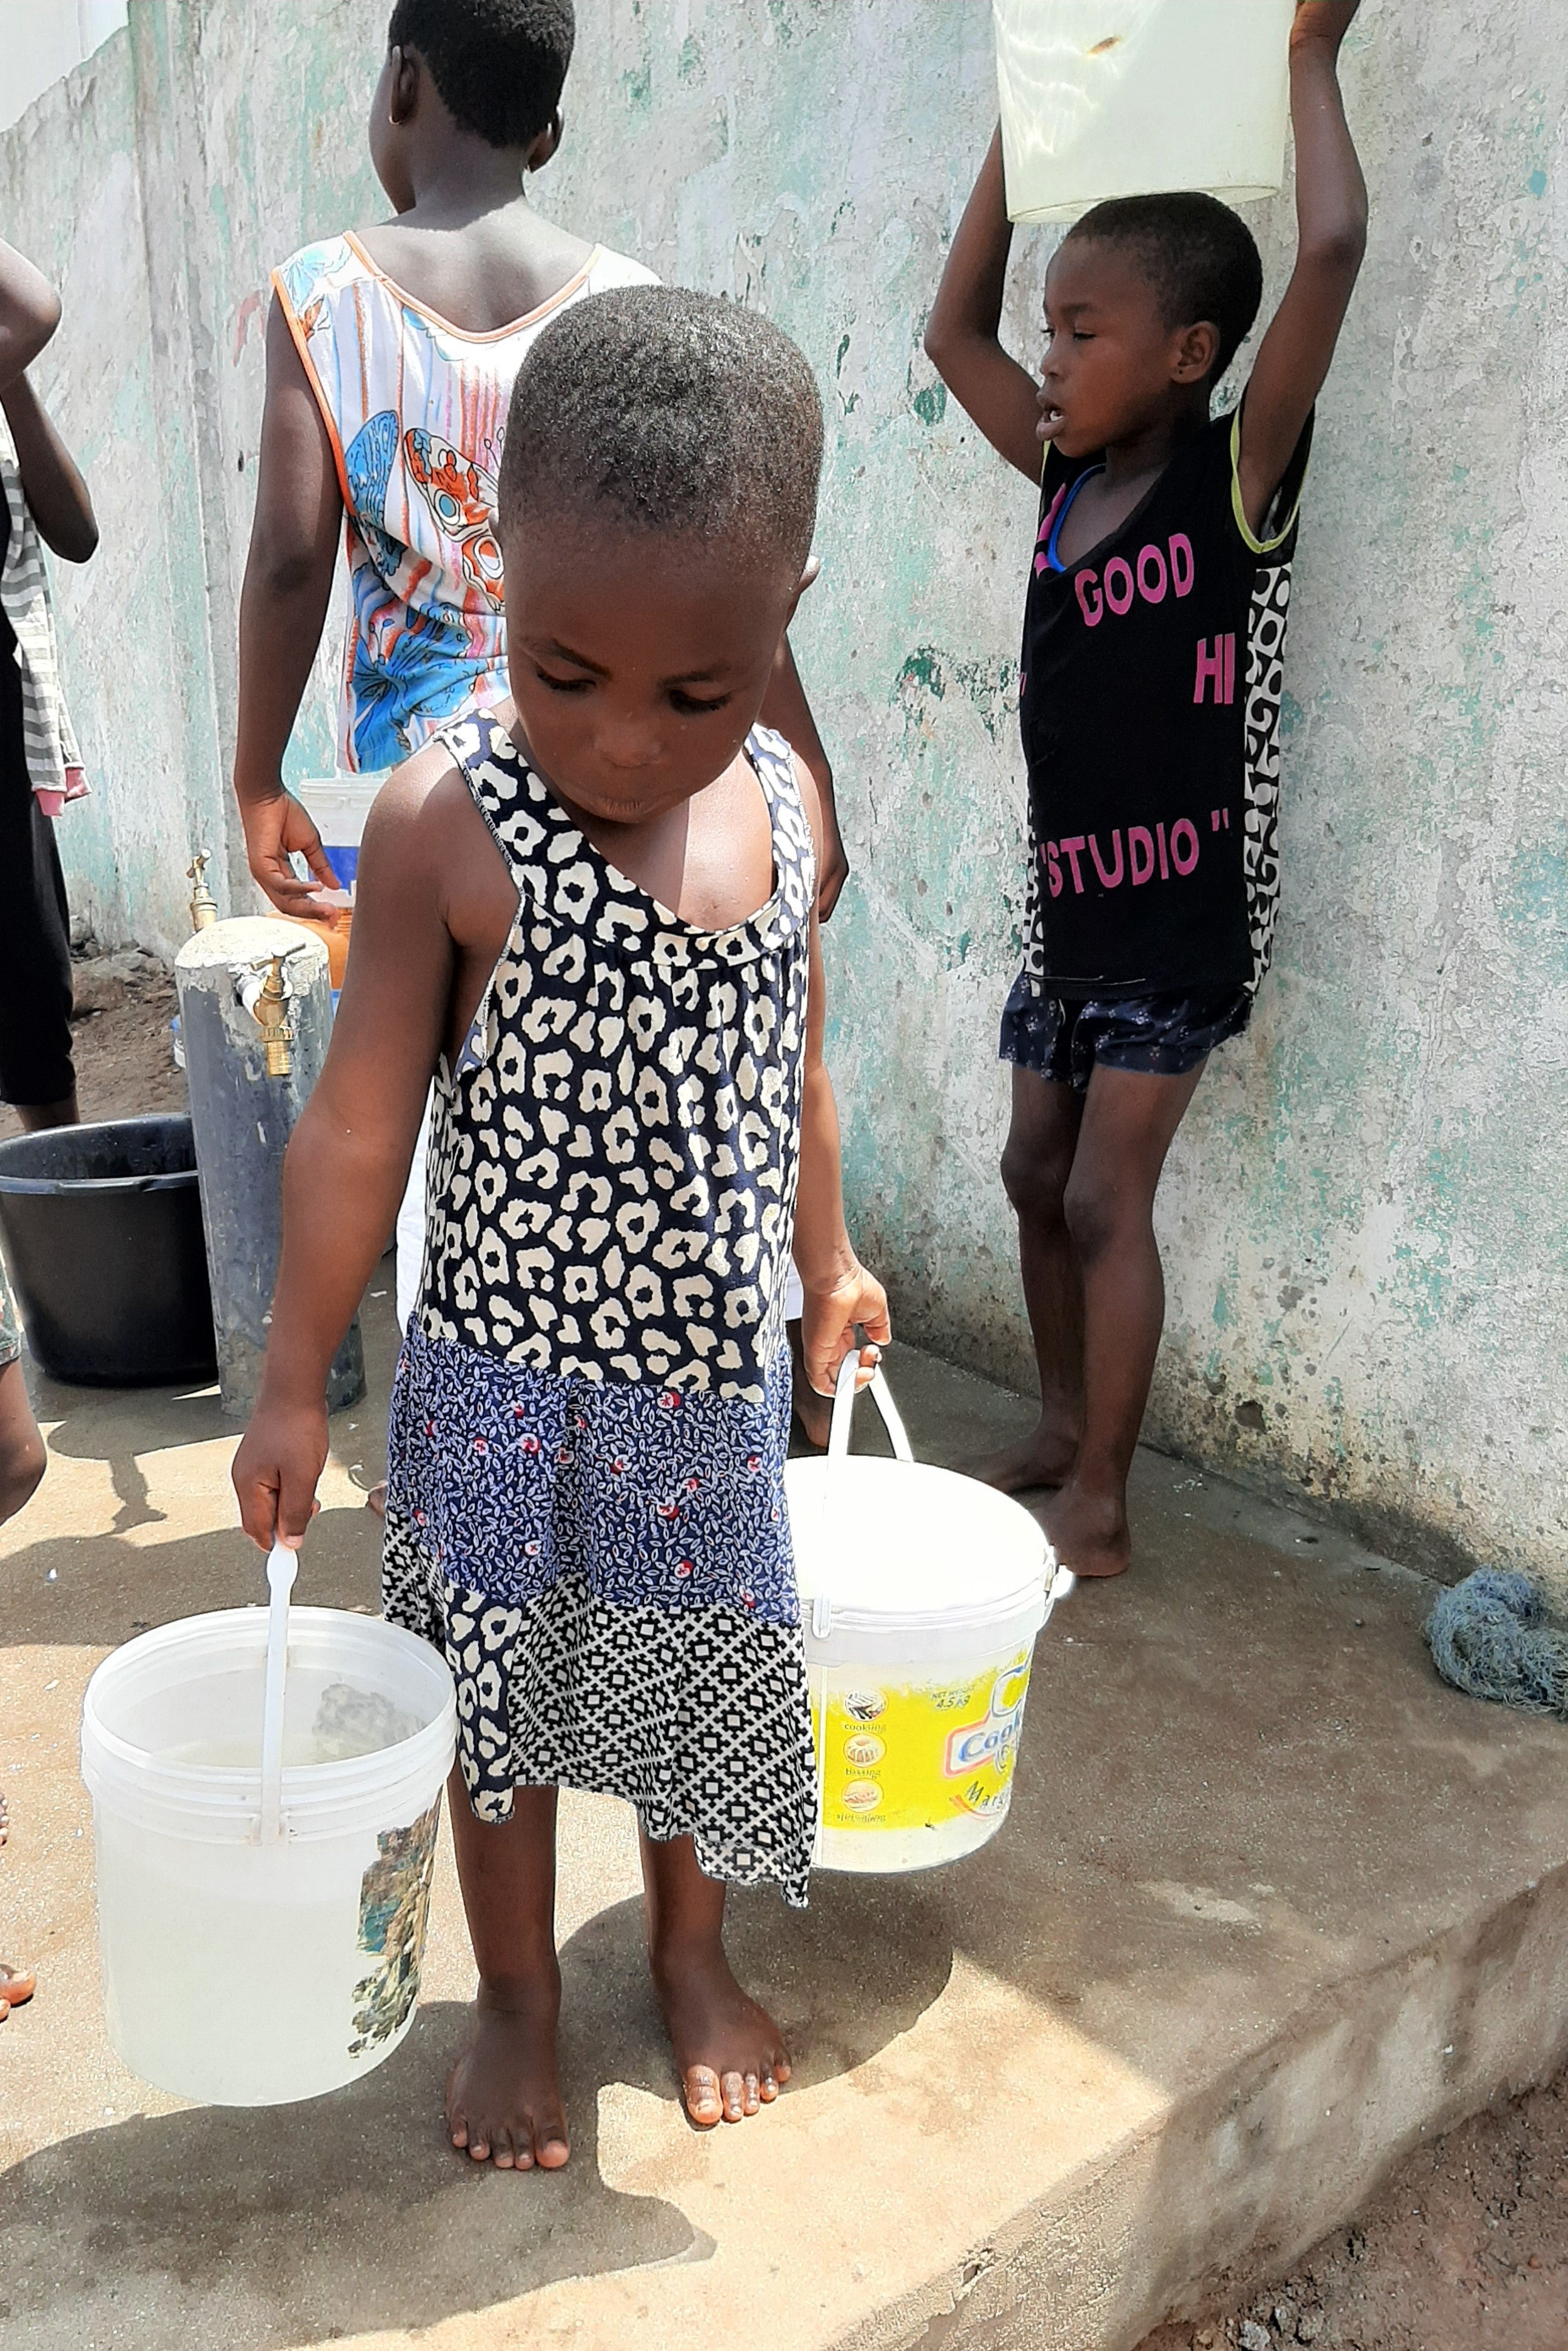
(1492, 1636)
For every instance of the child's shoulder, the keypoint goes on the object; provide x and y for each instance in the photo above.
(313, 281)
(330, 262)
(607, 267)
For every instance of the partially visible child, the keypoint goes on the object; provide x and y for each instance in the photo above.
(22, 1465)
(42, 495)
(1153, 634)
(591, 913)
(390, 355)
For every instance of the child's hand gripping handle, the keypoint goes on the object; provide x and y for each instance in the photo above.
(280, 1459)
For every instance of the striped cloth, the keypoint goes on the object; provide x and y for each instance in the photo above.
(53, 762)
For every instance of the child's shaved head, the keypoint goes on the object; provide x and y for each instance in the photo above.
(499, 64)
(1198, 257)
(675, 413)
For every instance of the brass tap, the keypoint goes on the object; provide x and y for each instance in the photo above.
(203, 905)
(271, 1016)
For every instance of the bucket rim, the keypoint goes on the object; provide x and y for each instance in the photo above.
(74, 1187)
(235, 1790)
(1023, 1606)
(54, 1186)
(1029, 1594)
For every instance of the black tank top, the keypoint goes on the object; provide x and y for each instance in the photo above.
(1152, 677)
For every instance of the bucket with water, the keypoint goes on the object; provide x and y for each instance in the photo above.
(337, 806)
(1123, 97)
(923, 1593)
(265, 1845)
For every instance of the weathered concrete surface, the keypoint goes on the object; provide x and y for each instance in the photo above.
(1272, 1903)
(1367, 1215)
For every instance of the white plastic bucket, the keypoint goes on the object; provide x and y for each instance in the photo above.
(243, 1973)
(1124, 98)
(337, 807)
(923, 1592)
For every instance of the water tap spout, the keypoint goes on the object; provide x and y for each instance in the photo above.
(268, 1007)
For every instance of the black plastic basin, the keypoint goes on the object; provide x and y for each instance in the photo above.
(102, 1232)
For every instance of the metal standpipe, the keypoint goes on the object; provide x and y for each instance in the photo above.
(255, 1018)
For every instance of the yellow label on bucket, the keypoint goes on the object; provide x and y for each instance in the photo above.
(913, 1755)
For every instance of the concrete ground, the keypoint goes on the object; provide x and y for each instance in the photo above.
(1272, 1904)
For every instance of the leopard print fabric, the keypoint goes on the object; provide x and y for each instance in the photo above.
(589, 1421)
(612, 1165)
(1268, 619)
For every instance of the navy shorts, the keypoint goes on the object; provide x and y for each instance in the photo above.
(1060, 1038)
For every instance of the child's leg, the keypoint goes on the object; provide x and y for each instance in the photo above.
(1130, 1119)
(22, 1457)
(729, 2053)
(503, 2102)
(1036, 1164)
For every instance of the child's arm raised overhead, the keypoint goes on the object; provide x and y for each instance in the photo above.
(54, 489)
(58, 497)
(29, 313)
(961, 340)
(283, 606)
(1331, 213)
(840, 1292)
(347, 1162)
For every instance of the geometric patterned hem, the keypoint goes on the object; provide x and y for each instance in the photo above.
(698, 1717)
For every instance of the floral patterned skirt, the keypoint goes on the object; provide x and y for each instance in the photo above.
(607, 1570)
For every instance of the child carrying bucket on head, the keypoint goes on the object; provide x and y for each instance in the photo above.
(390, 356)
(1150, 702)
(591, 912)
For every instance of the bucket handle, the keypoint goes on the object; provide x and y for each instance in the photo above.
(844, 1395)
(282, 1567)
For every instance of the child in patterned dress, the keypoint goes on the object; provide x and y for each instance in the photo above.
(591, 912)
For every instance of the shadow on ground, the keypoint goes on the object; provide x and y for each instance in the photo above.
(106, 1589)
(343, 2217)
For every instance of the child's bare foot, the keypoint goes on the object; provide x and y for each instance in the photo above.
(376, 1500)
(813, 1412)
(729, 2053)
(1088, 1532)
(16, 1988)
(503, 2102)
(1044, 1458)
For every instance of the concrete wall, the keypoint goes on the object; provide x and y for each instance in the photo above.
(45, 39)
(1367, 1215)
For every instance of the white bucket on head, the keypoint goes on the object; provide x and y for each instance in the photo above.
(1129, 98)
(244, 1973)
(922, 1593)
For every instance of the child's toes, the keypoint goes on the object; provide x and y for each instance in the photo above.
(704, 2103)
